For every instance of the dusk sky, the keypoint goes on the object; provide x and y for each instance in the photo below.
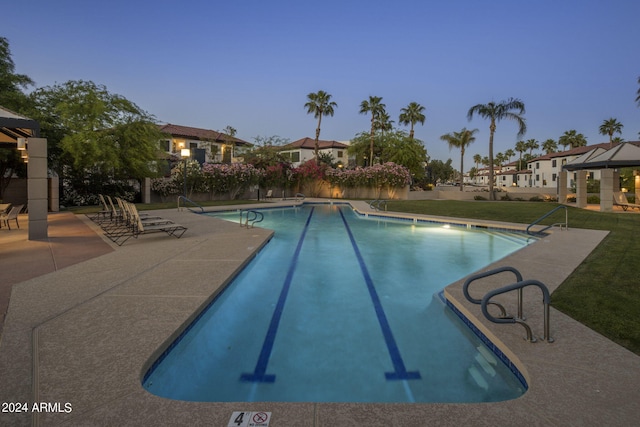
(251, 63)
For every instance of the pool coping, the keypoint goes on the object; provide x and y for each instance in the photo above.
(86, 342)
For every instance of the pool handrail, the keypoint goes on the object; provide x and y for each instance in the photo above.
(474, 277)
(189, 201)
(546, 299)
(566, 221)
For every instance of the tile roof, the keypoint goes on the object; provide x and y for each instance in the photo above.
(309, 143)
(199, 134)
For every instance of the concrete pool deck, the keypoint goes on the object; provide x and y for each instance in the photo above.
(79, 337)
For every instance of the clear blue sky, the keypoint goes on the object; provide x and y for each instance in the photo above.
(251, 63)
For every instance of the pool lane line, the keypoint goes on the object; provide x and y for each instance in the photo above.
(400, 371)
(259, 373)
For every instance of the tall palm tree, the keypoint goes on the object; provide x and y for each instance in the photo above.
(532, 144)
(508, 154)
(495, 113)
(609, 127)
(384, 122)
(374, 106)
(573, 139)
(319, 104)
(521, 147)
(550, 146)
(638, 97)
(477, 160)
(460, 140)
(412, 114)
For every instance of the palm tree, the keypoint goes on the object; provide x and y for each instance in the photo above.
(460, 140)
(572, 139)
(374, 106)
(638, 97)
(500, 158)
(609, 127)
(550, 146)
(384, 122)
(521, 147)
(508, 154)
(477, 159)
(531, 145)
(319, 104)
(495, 113)
(412, 114)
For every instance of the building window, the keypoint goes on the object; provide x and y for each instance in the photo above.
(295, 156)
(165, 145)
(553, 177)
(537, 178)
(553, 163)
(537, 165)
(340, 154)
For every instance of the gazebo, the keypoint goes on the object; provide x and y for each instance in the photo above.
(21, 133)
(626, 154)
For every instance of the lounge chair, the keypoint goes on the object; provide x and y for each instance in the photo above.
(133, 225)
(13, 214)
(620, 199)
(269, 194)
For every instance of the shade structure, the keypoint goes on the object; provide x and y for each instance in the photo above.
(626, 154)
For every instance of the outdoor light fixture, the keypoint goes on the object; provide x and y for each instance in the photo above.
(185, 152)
(22, 144)
(24, 154)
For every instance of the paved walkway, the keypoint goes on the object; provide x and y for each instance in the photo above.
(80, 338)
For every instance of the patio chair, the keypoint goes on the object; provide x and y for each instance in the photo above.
(13, 214)
(619, 199)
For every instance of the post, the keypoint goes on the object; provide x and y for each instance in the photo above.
(37, 188)
(185, 153)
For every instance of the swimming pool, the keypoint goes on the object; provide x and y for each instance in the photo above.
(338, 308)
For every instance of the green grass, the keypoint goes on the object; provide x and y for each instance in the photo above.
(603, 293)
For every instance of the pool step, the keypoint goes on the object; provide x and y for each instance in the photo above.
(482, 368)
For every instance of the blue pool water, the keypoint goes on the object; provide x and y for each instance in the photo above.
(339, 308)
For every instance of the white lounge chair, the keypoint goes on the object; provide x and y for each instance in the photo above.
(620, 199)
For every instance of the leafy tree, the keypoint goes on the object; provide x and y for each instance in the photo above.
(266, 152)
(495, 113)
(550, 146)
(412, 114)
(319, 104)
(460, 140)
(405, 151)
(12, 84)
(609, 127)
(441, 171)
(394, 146)
(101, 137)
(229, 137)
(11, 97)
(573, 139)
(374, 106)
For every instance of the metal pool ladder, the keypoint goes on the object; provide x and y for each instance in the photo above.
(518, 286)
(565, 223)
(249, 217)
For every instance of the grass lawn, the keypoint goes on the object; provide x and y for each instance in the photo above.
(603, 293)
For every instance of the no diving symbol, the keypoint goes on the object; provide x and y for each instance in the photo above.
(260, 417)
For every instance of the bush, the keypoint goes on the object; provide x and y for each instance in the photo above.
(479, 198)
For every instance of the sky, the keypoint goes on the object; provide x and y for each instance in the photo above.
(250, 64)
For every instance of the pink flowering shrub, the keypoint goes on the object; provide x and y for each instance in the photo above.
(230, 178)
